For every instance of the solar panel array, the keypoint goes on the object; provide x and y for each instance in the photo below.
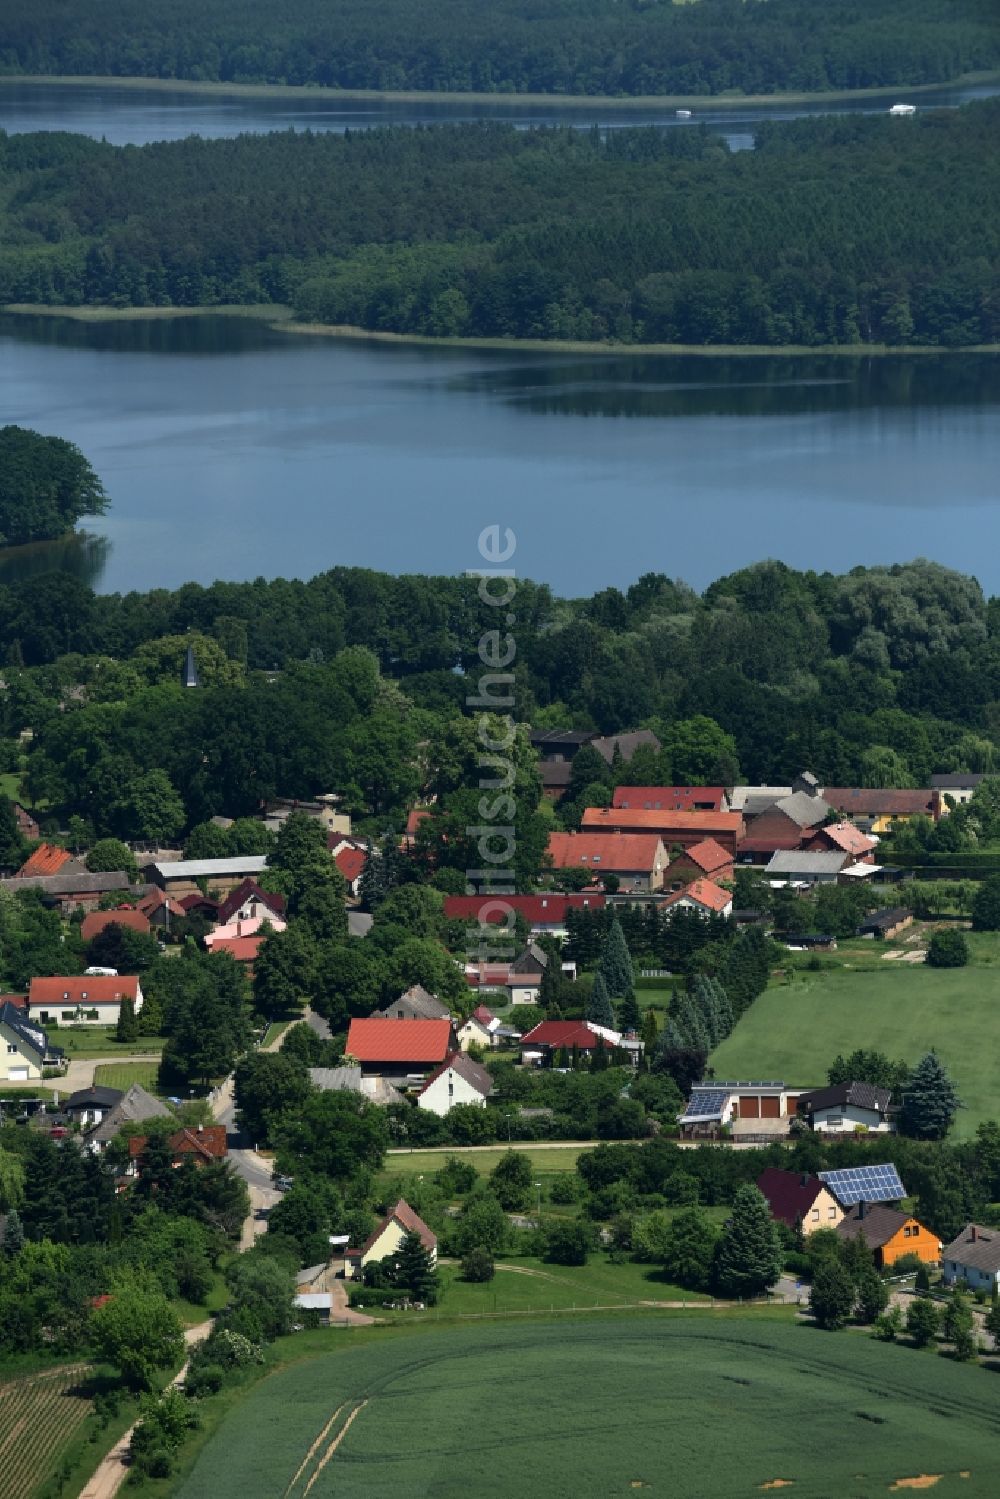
(854, 1184)
(706, 1103)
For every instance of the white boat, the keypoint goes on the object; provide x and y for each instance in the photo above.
(683, 114)
(903, 109)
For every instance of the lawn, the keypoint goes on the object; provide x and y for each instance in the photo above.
(793, 1031)
(124, 1074)
(600, 1406)
(99, 1041)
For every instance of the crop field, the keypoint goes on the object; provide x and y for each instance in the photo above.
(794, 1031)
(39, 1415)
(664, 1404)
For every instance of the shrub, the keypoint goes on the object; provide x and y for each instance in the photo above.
(477, 1265)
(564, 1189)
(948, 949)
(567, 1242)
(205, 1379)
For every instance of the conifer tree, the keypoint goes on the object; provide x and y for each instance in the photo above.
(748, 1259)
(599, 1008)
(616, 962)
(13, 1239)
(371, 887)
(127, 1028)
(649, 1033)
(415, 1270)
(930, 1101)
(629, 1017)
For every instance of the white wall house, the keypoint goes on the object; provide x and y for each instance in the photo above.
(87, 1000)
(974, 1257)
(458, 1080)
(23, 1046)
(845, 1108)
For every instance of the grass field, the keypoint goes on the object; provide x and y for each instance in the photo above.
(545, 1159)
(124, 1074)
(793, 1031)
(673, 1405)
(39, 1415)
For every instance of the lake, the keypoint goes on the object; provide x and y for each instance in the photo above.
(135, 116)
(232, 450)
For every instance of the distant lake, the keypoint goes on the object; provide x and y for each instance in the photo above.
(234, 450)
(135, 116)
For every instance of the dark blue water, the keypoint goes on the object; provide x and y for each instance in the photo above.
(231, 450)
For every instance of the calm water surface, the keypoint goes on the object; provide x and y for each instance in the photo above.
(231, 450)
(127, 116)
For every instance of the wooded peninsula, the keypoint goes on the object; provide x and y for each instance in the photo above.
(837, 230)
(510, 46)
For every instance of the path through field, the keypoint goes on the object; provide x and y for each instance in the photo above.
(113, 1470)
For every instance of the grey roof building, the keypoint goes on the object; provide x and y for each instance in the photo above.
(798, 864)
(974, 1256)
(416, 1004)
(134, 1107)
(350, 1080)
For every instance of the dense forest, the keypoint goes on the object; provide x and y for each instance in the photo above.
(834, 230)
(510, 46)
(46, 486)
(357, 682)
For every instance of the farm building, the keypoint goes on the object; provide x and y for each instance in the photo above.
(750, 1108)
(403, 1051)
(883, 925)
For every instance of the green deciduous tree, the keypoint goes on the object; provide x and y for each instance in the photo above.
(948, 949)
(831, 1299)
(46, 486)
(922, 1321)
(138, 1331)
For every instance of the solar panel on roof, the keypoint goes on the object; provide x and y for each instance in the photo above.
(707, 1103)
(854, 1184)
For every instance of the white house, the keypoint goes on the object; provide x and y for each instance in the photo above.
(88, 1000)
(24, 1047)
(458, 1080)
(974, 1257)
(479, 1029)
(846, 1107)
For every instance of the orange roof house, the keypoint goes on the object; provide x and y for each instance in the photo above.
(889, 1233)
(672, 798)
(94, 923)
(48, 858)
(704, 895)
(683, 828)
(845, 838)
(398, 1047)
(638, 859)
(707, 858)
(206, 1144)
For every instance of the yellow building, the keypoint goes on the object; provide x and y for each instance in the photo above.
(387, 1239)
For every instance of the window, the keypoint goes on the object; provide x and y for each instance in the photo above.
(11, 1049)
(906, 1232)
(814, 1215)
(69, 1014)
(915, 1230)
(831, 1212)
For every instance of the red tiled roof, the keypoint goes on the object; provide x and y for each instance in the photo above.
(846, 836)
(157, 901)
(208, 1141)
(536, 909)
(568, 1033)
(708, 855)
(86, 990)
(705, 892)
(398, 1040)
(638, 819)
(605, 851)
(46, 859)
(784, 843)
(136, 921)
(414, 820)
(483, 1015)
(350, 862)
(669, 798)
(790, 1194)
(243, 949)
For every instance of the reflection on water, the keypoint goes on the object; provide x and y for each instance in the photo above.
(171, 334)
(81, 555)
(762, 385)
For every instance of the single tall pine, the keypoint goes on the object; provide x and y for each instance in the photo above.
(599, 1009)
(127, 1028)
(415, 1270)
(930, 1101)
(616, 962)
(748, 1259)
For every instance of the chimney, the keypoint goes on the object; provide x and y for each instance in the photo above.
(805, 1178)
(972, 1232)
(201, 1129)
(862, 1208)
